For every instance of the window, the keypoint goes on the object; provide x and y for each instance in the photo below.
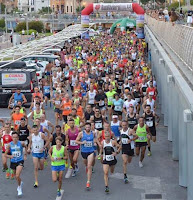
(71, 9)
(67, 9)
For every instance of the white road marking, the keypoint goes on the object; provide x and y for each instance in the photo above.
(29, 115)
(151, 185)
(59, 198)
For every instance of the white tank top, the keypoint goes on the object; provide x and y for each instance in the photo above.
(37, 143)
(91, 97)
(151, 103)
(125, 140)
(45, 124)
(74, 80)
(108, 157)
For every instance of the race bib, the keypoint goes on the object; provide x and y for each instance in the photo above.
(141, 138)
(57, 102)
(17, 122)
(47, 91)
(144, 93)
(109, 157)
(5, 146)
(124, 140)
(118, 108)
(137, 99)
(110, 99)
(149, 123)
(73, 143)
(26, 142)
(98, 125)
(88, 144)
(101, 103)
(16, 154)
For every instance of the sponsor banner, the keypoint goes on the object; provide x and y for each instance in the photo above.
(85, 21)
(112, 7)
(13, 78)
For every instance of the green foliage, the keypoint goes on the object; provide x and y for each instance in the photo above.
(21, 26)
(35, 25)
(79, 9)
(175, 5)
(30, 32)
(144, 1)
(2, 8)
(45, 10)
(2, 23)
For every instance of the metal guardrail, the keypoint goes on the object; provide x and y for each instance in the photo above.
(179, 38)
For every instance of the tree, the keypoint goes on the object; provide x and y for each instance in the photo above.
(45, 10)
(2, 8)
(21, 26)
(2, 23)
(36, 25)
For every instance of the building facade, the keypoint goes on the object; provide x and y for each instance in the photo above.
(10, 4)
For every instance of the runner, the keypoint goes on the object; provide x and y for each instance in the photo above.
(57, 101)
(109, 160)
(115, 127)
(37, 112)
(16, 117)
(143, 133)
(73, 147)
(110, 96)
(128, 137)
(118, 106)
(86, 139)
(132, 117)
(149, 117)
(14, 151)
(6, 138)
(58, 154)
(36, 142)
(24, 131)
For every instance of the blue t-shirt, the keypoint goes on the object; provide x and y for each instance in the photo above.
(17, 151)
(118, 104)
(89, 146)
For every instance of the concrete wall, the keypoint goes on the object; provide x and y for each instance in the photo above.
(175, 96)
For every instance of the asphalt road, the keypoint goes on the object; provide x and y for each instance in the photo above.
(158, 176)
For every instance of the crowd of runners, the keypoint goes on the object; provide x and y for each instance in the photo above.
(103, 97)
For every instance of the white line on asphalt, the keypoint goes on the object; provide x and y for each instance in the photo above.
(59, 198)
(5, 117)
(29, 115)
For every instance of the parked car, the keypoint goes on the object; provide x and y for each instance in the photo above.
(51, 51)
(41, 57)
(13, 79)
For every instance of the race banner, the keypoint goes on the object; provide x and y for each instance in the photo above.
(112, 7)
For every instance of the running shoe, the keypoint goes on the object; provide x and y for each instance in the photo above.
(149, 153)
(35, 184)
(66, 163)
(7, 175)
(12, 175)
(99, 157)
(126, 180)
(107, 189)
(77, 167)
(19, 191)
(45, 163)
(88, 185)
(58, 193)
(3, 170)
(140, 164)
(74, 173)
(68, 173)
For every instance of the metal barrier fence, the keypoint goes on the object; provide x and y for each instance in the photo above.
(179, 38)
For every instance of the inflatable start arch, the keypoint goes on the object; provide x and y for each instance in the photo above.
(115, 7)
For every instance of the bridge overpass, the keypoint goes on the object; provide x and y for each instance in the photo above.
(171, 57)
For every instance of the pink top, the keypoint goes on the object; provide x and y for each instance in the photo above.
(72, 138)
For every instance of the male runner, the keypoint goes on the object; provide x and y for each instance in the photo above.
(36, 141)
(15, 148)
(143, 133)
(86, 139)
